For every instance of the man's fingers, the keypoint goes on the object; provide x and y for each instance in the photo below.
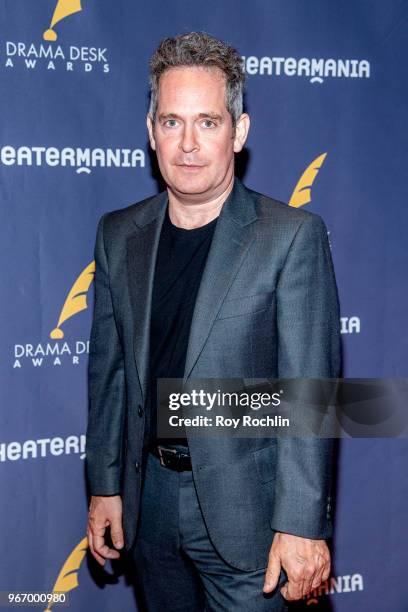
(272, 573)
(307, 583)
(117, 533)
(326, 570)
(300, 576)
(324, 565)
(98, 558)
(311, 570)
(100, 550)
(103, 549)
(292, 589)
(301, 583)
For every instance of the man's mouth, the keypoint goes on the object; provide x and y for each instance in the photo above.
(190, 167)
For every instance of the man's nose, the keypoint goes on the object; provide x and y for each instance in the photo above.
(189, 141)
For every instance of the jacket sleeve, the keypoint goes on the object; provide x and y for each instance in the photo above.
(106, 384)
(308, 347)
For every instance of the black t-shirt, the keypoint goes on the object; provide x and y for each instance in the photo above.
(180, 262)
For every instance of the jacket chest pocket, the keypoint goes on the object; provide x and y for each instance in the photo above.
(246, 304)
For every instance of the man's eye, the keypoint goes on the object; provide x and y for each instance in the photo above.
(170, 123)
(207, 123)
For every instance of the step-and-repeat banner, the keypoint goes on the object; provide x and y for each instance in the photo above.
(327, 92)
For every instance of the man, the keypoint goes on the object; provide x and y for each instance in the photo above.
(208, 280)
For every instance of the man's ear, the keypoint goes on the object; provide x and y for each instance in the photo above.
(150, 129)
(241, 132)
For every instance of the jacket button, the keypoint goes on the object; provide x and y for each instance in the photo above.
(140, 411)
(137, 466)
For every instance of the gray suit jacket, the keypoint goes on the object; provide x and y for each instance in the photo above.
(267, 306)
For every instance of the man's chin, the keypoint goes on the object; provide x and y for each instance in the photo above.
(190, 188)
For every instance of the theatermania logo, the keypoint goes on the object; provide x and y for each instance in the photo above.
(315, 69)
(50, 55)
(82, 159)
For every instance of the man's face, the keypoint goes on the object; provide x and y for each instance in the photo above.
(193, 134)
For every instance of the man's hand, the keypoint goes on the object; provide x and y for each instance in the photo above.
(104, 512)
(306, 563)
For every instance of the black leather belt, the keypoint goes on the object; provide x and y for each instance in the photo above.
(172, 458)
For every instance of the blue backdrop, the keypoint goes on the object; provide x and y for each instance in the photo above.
(327, 90)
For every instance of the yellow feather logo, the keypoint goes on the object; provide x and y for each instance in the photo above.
(68, 576)
(301, 194)
(76, 299)
(62, 10)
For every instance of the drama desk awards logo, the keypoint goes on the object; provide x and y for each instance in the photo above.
(61, 351)
(34, 55)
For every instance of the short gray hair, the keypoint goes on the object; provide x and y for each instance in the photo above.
(199, 49)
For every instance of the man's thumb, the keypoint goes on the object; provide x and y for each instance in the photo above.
(272, 574)
(117, 533)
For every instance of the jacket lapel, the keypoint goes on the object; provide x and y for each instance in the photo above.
(142, 247)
